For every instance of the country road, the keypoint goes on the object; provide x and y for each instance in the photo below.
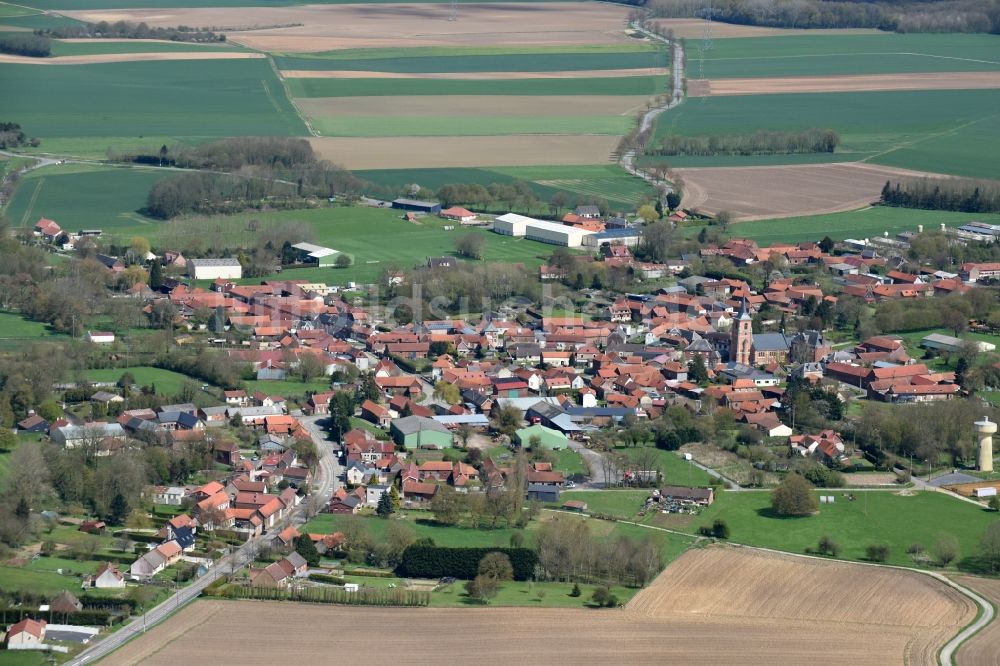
(324, 484)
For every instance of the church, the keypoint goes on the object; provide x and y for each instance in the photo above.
(756, 349)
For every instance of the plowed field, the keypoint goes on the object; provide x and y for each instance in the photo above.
(712, 606)
(983, 649)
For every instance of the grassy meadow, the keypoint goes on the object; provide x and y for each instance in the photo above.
(830, 55)
(16, 331)
(167, 382)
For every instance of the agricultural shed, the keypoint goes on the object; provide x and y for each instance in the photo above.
(321, 256)
(548, 438)
(414, 432)
(952, 344)
(417, 206)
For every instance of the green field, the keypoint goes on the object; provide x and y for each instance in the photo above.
(445, 125)
(286, 389)
(80, 197)
(852, 224)
(35, 20)
(167, 382)
(423, 526)
(16, 331)
(609, 182)
(142, 4)
(891, 518)
(953, 131)
(8, 11)
(206, 98)
(504, 62)
(626, 85)
(63, 48)
(405, 52)
(823, 55)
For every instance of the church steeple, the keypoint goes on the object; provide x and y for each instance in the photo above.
(741, 342)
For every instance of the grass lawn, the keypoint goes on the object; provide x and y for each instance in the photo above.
(891, 518)
(23, 658)
(619, 503)
(852, 224)
(570, 463)
(526, 593)
(53, 564)
(193, 98)
(624, 85)
(287, 389)
(940, 131)
(167, 382)
(676, 471)
(423, 526)
(822, 55)
(16, 331)
(39, 582)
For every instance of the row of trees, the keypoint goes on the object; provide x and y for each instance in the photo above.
(129, 30)
(517, 195)
(762, 142)
(897, 15)
(33, 46)
(961, 194)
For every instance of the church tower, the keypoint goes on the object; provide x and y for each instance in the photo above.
(742, 336)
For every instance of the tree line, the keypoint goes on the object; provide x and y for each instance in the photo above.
(517, 195)
(129, 30)
(960, 194)
(12, 136)
(33, 46)
(762, 142)
(898, 16)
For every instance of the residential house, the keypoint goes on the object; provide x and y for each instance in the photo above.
(27, 634)
(107, 576)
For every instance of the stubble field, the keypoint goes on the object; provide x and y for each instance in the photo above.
(711, 606)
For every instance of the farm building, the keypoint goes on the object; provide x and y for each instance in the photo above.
(951, 344)
(317, 255)
(458, 214)
(213, 269)
(414, 432)
(703, 496)
(547, 437)
(553, 233)
(27, 634)
(623, 236)
(417, 206)
(100, 337)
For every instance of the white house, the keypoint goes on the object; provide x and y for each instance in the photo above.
(106, 577)
(27, 634)
(374, 493)
(100, 337)
(172, 495)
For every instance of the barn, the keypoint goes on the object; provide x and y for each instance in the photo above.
(417, 206)
(316, 255)
(553, 233)
(214, 269)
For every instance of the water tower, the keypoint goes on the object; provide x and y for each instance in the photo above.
(985, 429)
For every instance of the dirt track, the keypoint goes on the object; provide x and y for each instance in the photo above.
(465, 151)
(807, 189)
(864, 83)
(712, 606)
(433, 106)
(329, 27)
(983, 649)
(126, 57)
(473, 76)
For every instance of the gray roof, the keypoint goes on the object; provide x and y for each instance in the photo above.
(770, 342)
(411, 424)
(228, 261)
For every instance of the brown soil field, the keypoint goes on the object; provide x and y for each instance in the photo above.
(861, 83)
(465, 151)
(125, 57)
(473, 76)
(695, 29)
(807, 189)
(983, 649)
(784, 610)
(432, 106)
(329, 27)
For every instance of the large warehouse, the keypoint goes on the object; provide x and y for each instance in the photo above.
(214, 269)
(554, 233)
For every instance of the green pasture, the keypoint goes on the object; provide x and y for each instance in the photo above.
(445, 125)
(167, 382)
(529, 594)
(622, 504)
(10, 11)
(828, 55)
(874, 517)
(79, 197)
(501, 62)
(286, 389)
(97, 147)
(626, 85)
(569, 462)
(64, 48)
(423, 525)
(608, 182)
(33, 21)
(169, 98)
(38, 582)
(953, 131)
(16, 331)
(852, 224)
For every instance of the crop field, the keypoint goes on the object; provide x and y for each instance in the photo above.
(855, 83)
(826, 55)
(8, 11)
(912, 614)
(576, 86)
(80, 197)
(808, 189)
(982, 649)
(852, 224)
(672, 621)
(180, 98)
(445, 125)
(694, 29)
(86, 47)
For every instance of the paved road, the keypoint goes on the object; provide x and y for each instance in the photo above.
(595, 462)
(324, 484)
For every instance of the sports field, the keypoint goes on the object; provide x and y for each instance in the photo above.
(176, 98)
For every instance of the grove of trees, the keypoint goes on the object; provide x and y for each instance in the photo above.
(762, 142)
(960, 194)
(33, 46)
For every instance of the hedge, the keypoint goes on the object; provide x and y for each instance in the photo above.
(327, 578)
(438, 562)
(83, 617)
(370, 573)
(333, 595)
